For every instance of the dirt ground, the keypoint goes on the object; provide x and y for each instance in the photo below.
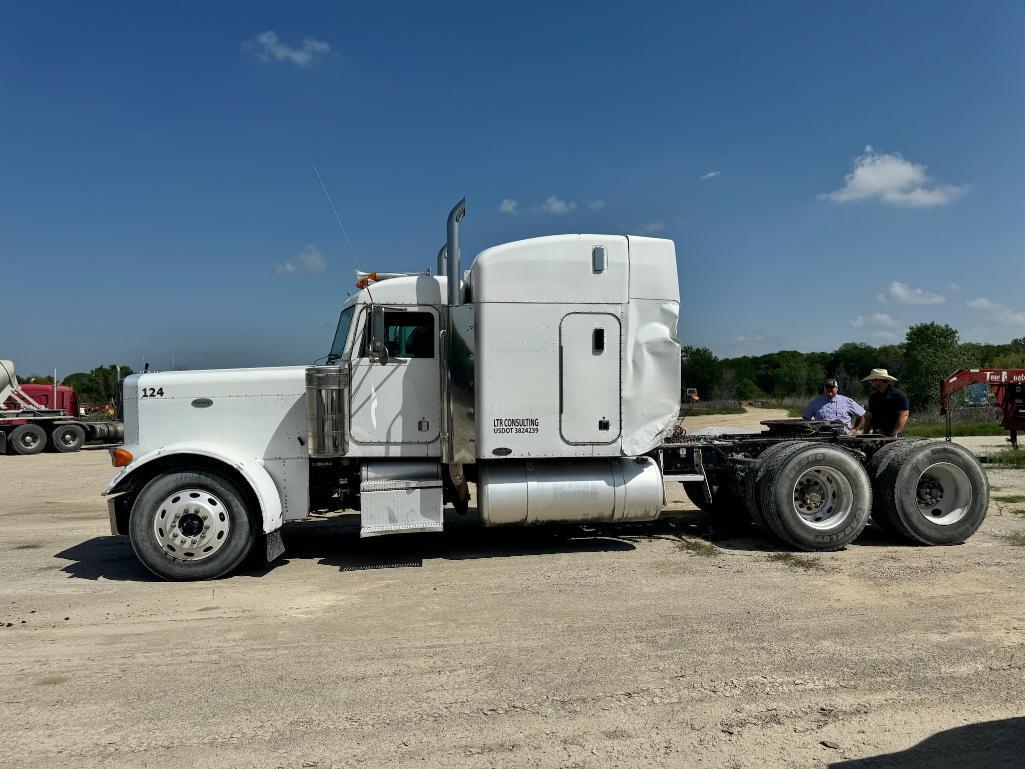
(553, 647)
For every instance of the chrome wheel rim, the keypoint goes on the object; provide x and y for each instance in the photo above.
(29, 439)
(191, 524)
(944, 493)
(67, 437)
(823, 497)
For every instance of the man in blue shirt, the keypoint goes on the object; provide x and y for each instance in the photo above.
(833, 407)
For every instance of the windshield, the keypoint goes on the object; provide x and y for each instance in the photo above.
(341, 334)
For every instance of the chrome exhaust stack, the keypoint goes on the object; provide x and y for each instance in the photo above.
(454, 268)
(442, 261)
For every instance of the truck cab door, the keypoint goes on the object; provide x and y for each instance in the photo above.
(398, 403)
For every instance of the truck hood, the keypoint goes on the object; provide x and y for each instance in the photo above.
(254, 413)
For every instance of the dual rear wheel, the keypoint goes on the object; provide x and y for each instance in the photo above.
(816, 496)
(812, 496)
(928, 492)
(31, 438)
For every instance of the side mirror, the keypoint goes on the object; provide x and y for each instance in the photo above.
(378, 348)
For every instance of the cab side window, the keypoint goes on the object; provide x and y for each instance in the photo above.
(409, 334)
(406, 334)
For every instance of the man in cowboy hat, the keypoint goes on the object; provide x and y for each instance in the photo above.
(888, 407)
(833, 407)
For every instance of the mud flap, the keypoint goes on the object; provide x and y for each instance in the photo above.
(119, 508)
(275, 545)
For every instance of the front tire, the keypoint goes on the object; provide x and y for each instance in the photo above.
(191, 525)
(27, 439)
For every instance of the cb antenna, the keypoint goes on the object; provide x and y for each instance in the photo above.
(338, 219)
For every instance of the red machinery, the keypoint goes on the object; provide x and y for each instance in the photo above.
(1008, 385)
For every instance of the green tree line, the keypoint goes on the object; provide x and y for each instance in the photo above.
(930, 351)
(96, 386)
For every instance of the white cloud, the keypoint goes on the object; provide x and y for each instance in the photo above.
(894, 180)
(509, 206)
(710, 175)
(596, 205)
(902, 293)
(999, 313)
(878, 320)
(310, 260)
(651, 228)
(753, 339)
(266, 46)
(557, 206)
(885, 336)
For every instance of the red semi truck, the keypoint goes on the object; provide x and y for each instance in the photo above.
(34, 417)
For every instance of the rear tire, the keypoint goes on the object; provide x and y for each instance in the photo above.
(890, 454)
(67, 438)
(935, 492)
(727, 505)
(191, 525)
(758, 471)
(695, 491)
(27, 439)
(815, 497)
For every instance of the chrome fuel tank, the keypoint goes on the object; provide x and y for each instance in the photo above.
(327, 411)
(526, 492)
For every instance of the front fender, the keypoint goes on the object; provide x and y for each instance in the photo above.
(252, 471)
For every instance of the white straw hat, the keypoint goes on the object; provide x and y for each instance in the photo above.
(879, 373)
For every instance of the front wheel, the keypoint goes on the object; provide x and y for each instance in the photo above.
(27, 439)
(191, 525)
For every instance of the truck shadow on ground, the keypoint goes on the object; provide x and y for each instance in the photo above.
(746, 537)
(985, 745)
(334, 541)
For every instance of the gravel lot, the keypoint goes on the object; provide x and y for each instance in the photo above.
(540, 648)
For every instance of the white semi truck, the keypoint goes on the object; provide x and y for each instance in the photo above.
(547, 375)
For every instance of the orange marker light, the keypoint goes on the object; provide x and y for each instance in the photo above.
(121, 457)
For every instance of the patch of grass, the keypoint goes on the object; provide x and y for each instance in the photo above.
(1017, 539)
(796, 561)
(957, 429)
(1007, 459)
(698, 547)
(1010, 498)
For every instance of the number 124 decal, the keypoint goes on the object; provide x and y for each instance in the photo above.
(152, 392)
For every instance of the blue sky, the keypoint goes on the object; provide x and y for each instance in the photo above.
(158, 197)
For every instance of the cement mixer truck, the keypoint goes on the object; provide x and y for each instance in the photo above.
(546, 378)
(36, 417)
